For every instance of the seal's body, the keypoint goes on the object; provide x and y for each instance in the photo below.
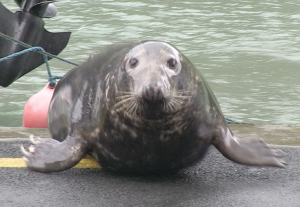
(139, 108)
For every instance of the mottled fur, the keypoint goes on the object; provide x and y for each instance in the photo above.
(139, 108)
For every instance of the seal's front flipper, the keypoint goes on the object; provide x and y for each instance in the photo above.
(50, 155)
(247, 151)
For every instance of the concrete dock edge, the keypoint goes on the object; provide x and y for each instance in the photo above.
(273, 134)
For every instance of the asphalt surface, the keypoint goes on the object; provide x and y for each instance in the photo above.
(215, 181)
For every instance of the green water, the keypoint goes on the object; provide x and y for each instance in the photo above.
(249, 51)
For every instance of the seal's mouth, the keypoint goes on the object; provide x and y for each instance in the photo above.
(151, 104)
(132, 105)
(153, 110)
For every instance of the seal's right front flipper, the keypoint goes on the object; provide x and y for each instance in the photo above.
(50, 155)
(247, 151)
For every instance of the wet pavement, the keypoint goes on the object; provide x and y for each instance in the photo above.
(215, 181)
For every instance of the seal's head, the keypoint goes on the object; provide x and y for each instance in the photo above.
(153, 81)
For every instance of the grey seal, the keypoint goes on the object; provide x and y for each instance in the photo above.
(139, 108)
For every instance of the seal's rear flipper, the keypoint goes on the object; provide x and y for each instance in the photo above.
(50, 155)
(27, 26)
(247, 151)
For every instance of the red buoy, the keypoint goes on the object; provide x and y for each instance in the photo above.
(36, 109)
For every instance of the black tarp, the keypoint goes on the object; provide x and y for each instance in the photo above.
(27, 26)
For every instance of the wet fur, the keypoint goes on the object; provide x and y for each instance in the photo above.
(149, 117)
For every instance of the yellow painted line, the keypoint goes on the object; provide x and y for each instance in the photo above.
(20, 163)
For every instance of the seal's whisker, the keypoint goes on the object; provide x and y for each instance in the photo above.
(165, 44)
(171, 106)
(141, 44)
(128, 102)
(139, 40)
(165, 107)
(181, 97)
(124, 108)
(140, 106)
(162, 49)
(125, 92)
(135, 107)
(136, 104)
(128, 105)
(124, 96)
(181, 91)
(176, 104)
(124, 101)
(131, 106)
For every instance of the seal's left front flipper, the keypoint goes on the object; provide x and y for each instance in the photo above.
(50, 155)
(247, 151)
(27, 26)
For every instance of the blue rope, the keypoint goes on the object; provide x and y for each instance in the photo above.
(231, 121)
(52, 78)
(40, 50)
(29, 46)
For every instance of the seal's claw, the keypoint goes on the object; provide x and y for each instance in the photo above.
(279, 153)
(28, 153)
(24, 151)
(278, 156)
(34, 140)
(25, 159)
(281, 163)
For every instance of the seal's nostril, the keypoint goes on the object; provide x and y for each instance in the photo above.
(153, 93)
(157, 87)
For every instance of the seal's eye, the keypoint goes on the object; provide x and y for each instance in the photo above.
(133, 62)
(172, 63)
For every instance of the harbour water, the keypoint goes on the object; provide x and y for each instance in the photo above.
(249, 51)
